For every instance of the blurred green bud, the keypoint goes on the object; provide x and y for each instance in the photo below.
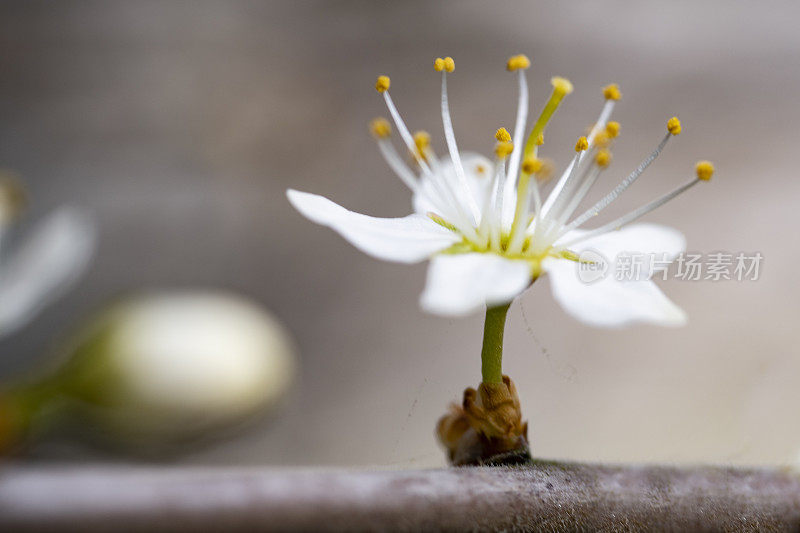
(160, 368)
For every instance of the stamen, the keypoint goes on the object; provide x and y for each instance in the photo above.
(503, 149)
(395, 162)
(519, 127)
(638, 213)
(612, 92)
(502, 135)
(380, 128)
(518, 62)
(561, 88)
(674, 126)
(447, 64)
(602, 139)
(422, 141)
(565, 187)
(568, 206)
(446, 194)
(627, 182)
(704, 169)
(605, 113)
(495, 235)
(612, 129)
(441, 221)
(441, 199)
(452, 146)
(490, 228)
(382, 84)
(531, 165)
(603, 158)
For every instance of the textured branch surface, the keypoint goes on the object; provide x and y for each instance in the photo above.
(545, 496)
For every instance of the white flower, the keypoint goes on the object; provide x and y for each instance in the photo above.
(43, 266)
(486, 230)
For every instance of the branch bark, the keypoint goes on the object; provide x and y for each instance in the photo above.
(544, 496)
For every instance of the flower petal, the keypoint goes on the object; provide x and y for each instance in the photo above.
(462, 283)
(44, 266)
(608, 302)
(405, 240)
(646, 240)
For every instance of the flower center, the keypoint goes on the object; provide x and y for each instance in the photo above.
(508, 217)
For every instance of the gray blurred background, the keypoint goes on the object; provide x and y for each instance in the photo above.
(181, 124)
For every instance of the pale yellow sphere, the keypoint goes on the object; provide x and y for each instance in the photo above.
(180, 363)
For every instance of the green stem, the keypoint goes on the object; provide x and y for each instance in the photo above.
(492, 352)
(24, 406)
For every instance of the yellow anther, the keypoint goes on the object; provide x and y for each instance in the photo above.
(603, 158)
(561, 85)
(674, 126)
(422, 139)
(382, 83)
(602, 139)
(380, 128)
(531, 165)
(611, 92)
(502, 135)
(540, 139)
(705, 169)
(447, 64)
(503, 149)
(480, 169)
(582, 144)
(518, 62)
(612, 129)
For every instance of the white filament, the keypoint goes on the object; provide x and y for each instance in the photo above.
(450, 136)
(404, 133)
(605, 114)
(399, 167)
(619, 189)
(519, 132)
(633, 215)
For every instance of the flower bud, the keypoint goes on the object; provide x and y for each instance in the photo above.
(160, 368)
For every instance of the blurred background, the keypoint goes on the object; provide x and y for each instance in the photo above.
(181, 124)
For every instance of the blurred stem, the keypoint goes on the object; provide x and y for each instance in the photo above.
(492, 352)
(21, 408)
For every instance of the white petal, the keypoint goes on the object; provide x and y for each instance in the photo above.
(608, 302)
(405, 240)
(660, 242)
(459, 284)
(44, 266)
(644, 238)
